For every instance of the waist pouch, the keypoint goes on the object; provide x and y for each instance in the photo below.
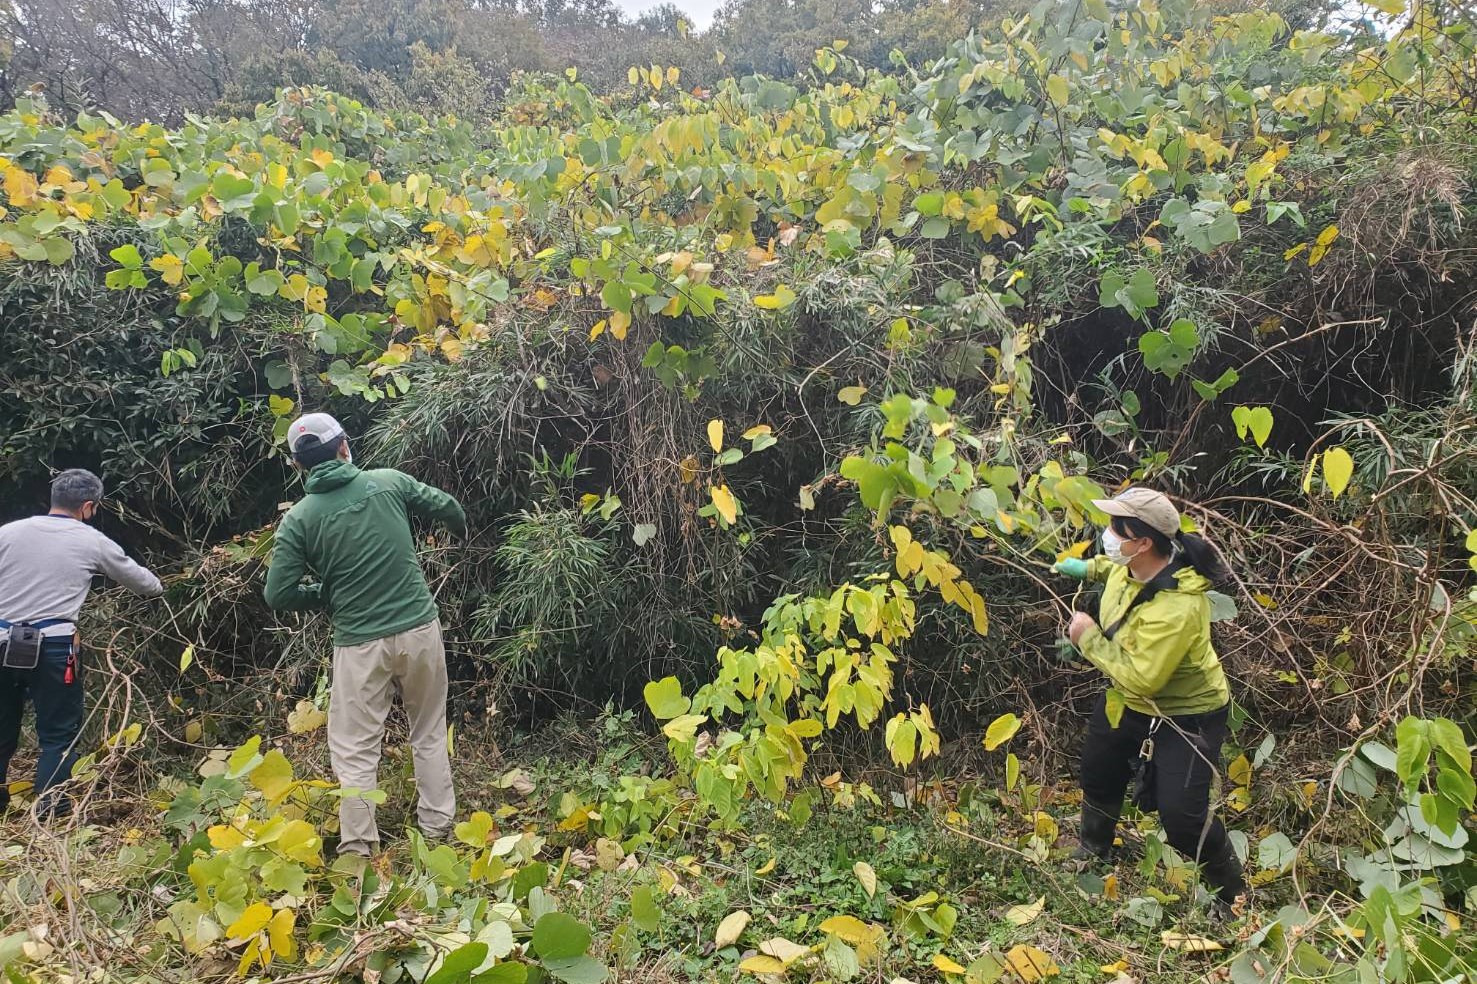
(23, 649)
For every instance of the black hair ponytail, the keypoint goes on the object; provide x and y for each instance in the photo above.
(1198, 552)
(1202, 555)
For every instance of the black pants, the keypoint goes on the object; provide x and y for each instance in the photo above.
(1187, 753)
(58, 714)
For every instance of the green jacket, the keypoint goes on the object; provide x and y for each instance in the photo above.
(1161, 659)
(352, 530)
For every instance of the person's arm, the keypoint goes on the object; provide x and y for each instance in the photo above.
(113, 562)
(1141, 662)
(1098, 569)
(428, 502)
(285, 590)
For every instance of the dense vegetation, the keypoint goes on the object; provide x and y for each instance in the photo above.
(816, 373)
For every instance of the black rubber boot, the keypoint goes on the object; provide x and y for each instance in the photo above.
(1099, 827)
(1224, 874)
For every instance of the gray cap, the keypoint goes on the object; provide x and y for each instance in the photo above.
(319, 426)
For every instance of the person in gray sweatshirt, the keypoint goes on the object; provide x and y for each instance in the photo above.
(47, 564)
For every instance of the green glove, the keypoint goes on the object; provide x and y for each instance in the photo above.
(1071, 567)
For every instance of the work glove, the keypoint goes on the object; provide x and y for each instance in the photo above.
(1071, 567)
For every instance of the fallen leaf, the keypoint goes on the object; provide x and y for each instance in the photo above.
(1021, 915)
(730, 929)
(766, 867)
(944, 964)
(783, 950)
(761, 964)
(1030, 964)
(867, 876)
(1188, 943)
(851, 395)
(851, 929)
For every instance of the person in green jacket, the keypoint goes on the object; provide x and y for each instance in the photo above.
(352, 530)
(1152, 641)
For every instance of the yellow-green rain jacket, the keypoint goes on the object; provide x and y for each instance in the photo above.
(1161, 658)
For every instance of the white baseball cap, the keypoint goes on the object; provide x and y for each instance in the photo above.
(321, 427)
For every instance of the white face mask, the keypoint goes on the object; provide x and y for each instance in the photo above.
(1113, 548)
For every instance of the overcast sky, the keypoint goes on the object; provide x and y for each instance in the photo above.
(701, 11)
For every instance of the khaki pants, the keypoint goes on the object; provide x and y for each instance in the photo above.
(365, 678)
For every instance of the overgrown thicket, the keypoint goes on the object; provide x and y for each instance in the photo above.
(867, 345)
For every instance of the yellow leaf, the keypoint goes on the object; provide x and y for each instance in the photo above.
(1328, 235)
(1239, 771)
(1338, 469)
(305, 718)
(850, 929)
(674, 74)
(1074, 552)
(20, 185)
(1110, 888)
(867, 876)
(1021, 915)
(782, 298)
(766, 867)
(194, 731)
(1001, 730)
(170, 268)
(731, 928)
(1058, 89)
(756, 430)
(279, 934)
(620, 323)
(632, 75)
(224, 838)
(252, 921)
(783, 949)
(1030, 964)
(598, 329)
(1294, 251)
(945, 965)
(1191, 944)
(725, 503)
(715, 435)
(452, 348)
(1113, 969)
(1308, 475)
(760, 964)
(852, 395)
(683, 728)
(688, 468)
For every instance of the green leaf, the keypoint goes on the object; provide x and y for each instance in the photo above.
(1256, 421)
(644, 911)
(128, 256)
(665, 699)
(557, 936)
(458, 965)
(1276, 852)
(929, 204)
(643, 533)
(851, 395)
(875, 482)
(936, 228)
(576, 970)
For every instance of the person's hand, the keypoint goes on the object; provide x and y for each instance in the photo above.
(1079, 625)
(1071, 567)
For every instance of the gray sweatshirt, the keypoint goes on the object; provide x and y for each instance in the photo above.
(47, 564)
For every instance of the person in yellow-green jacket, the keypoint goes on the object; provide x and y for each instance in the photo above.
(1152, 641)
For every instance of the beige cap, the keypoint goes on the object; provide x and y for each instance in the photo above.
(1146, 505)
